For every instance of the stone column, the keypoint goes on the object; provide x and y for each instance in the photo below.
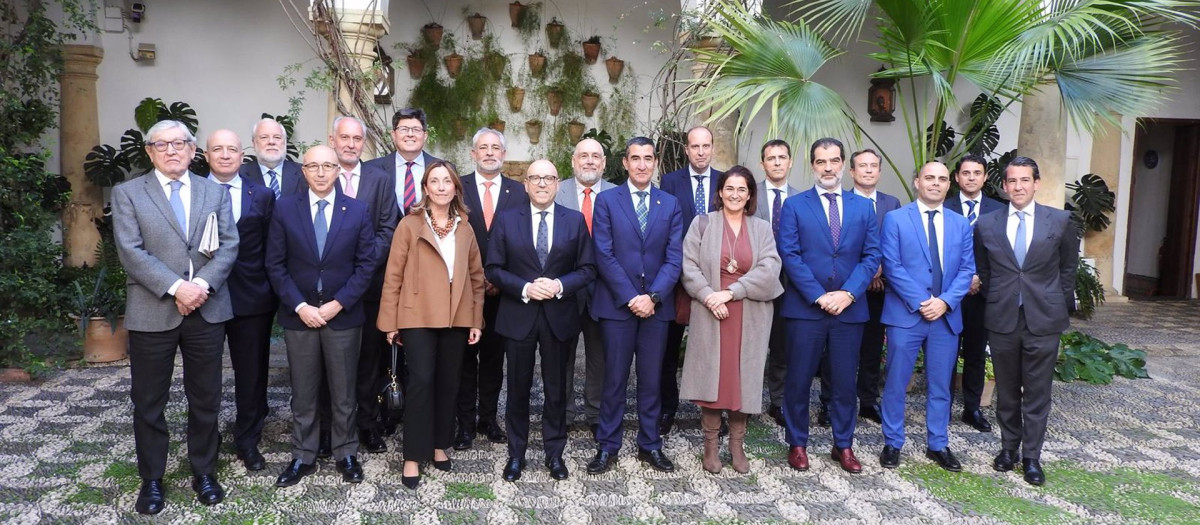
(361, 24)
(725, 139)
(79, 131)
(1043, 138)
(1106, 163)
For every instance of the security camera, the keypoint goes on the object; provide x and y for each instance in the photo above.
(136, 12)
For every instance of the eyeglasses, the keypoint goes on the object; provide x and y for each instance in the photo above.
(327, 167)
(161, 145)
(545, 179)
(405, 130)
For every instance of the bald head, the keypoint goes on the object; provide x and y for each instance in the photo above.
(223, 149)
(932, 183)
(320, 169)
(588, 162)
(541, 183)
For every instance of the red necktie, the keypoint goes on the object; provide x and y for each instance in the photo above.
(488, 209)
(587, 208)
(410, 189)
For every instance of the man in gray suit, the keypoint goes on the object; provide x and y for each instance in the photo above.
(176, 298)
(1026, 260)
(773, 190)
(579, 193)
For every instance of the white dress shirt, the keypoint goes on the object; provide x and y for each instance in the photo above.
(312, 208)
(418, 172)
(1011, 229)
(579, 187)
(871, 196)
(480, 179)
(825, 202)
(445, 245)
(185, 195)
(939, 223)
(536, 221)
(768, 200)
(966, 210)
(355, 178)
(263, 168)
(235, 194)
(708, 192)
(633, 195)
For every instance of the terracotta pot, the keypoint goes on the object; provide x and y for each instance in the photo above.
(537, 64)
(476, 22)
(589, 101)
(554, 100)
(433, 34)
(533, 128)
(14, 375)
(516, 99)
(554, 33)
(591, 51)
(101, 344)
(453, 64)
(416, 66)
(575, 130)
(497, 125)
(615, 67)
(514, 12)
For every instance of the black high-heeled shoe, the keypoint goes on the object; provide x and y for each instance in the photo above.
(410, 482)
(443, 465)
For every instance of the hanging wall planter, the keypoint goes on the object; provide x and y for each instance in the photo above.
(537, 64)
(533, 128)
(575, 130)
(460, 128)
(516, 99)
(615, 67)
(453, 64)
(554, 33)
(589, 101)
(433, 34)
(514, 12)
(555, 101)
(476, 22)
(591, 50)
(497, 125)
(416, 65)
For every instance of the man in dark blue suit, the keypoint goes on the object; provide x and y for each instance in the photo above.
(692, 187)
(249, 332)
(638, 231)
(407, 165)
(971, 174)
(540, 256)
(320, 258)
(928, 260)
(487, 192)
(273, 170)
(830, 249)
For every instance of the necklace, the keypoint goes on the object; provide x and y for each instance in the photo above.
(441, 231)
(732, 266)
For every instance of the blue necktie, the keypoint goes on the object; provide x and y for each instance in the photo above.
(321, 227)
(971, 212)
(236, 212)
(274, 184)
(835, 219)
(1019, 242)
(643, 211)
(700, 203)
(776, 212)
(543, 241)
(935, 256)
(177, 206)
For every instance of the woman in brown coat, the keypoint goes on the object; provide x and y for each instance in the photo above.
(433, 302)
(731, 271)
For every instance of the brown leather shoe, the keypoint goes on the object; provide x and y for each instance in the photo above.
(845, 457)
(798, 458)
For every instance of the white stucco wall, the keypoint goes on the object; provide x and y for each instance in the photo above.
(1149, 197)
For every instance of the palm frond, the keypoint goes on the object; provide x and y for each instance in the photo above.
(1130, 80)
(839, 20)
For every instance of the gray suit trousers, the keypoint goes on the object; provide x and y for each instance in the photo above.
(332, 354)
(593, 373)
(1024, 365)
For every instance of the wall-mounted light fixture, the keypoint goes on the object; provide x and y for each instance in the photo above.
(144, 53)
(881, 99)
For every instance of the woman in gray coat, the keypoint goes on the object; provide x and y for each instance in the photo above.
(731, 272)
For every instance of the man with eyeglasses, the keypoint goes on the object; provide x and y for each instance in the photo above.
(487, 192)
(273, 168)
(539, 257)
(176, 298)
(407, 165)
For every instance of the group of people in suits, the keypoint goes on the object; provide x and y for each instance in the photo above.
(469, 273)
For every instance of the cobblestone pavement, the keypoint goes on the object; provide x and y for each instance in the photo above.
(66, 456)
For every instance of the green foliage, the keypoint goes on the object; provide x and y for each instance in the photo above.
(1128, 495)
(1088, 289)
(1083, 357)
(981, 494)
(529, 21)
(106, 166)
(465, 489)
(1090, 201)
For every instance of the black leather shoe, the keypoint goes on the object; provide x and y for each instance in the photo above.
(444, 465)
(351, 470)
(208, 491)
(294, 472)
(823, 416)
(601, 462)
(253, 459)
(977, 421)
(512, 469)
(595, 430)
(1004, 461)
(776, 413)
(558, 469)
(1033, 472)
(325, 446)
(656, 459)
(463, 439)
(890, 457)
(410, 482)
(945, 459)
(491, 430)
(666, 422)
(872, 413)
(152, 497)
(372, 440)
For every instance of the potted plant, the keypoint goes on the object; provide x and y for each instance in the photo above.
(100, 304)
(575, 129)
(514, 12)
(537, 63)
(589, 100)
(555, 100)
(615, 67)
(453, 61)
(516, 98)
(554, 32)
(432, 32)
(533, 128)
(497, 125)
(591, 49)
(476, 23)
(416, 63)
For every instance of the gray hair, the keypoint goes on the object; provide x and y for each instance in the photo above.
(164, 125)
(339, 120)
(484, 130)
(254, 130)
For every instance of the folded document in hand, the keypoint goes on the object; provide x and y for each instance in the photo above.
(210, 240)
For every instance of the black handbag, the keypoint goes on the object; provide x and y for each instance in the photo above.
(393, 395)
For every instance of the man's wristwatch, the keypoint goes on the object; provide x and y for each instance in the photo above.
(654, 298)
(852, 299)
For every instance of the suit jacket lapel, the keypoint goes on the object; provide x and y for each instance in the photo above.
(471, 195)
(625, 202)
(247, 200)
(304, 216)
(336, 222)
(157, 196)
(655, 204)
(999, 227)
(525, 232)
(818, 210)
(918, 227)
(1041, 232)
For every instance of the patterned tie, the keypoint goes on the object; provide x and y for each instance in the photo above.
(935, 256)
(348, 185)
(543, 241)
(410, 187)
(236, 212)
(1019, 243)
(321, 228)
(587, 208)
(971, 212)
(488, 209)
(274, 184)
(177, 206)
(776, 212)
(700, 203)
(643, 211)
(835, 219)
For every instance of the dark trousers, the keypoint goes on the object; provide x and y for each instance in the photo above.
(808, 342)
(371, 364)
(870, 356)
(326, 356)
(151, 366)
(249, 339)
(974, 339)
(623, 340)
(482, 373)
(521, 356)
(1024, 365)
(777, 357)
(593, 369)
(669, 383)
(434, 357)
